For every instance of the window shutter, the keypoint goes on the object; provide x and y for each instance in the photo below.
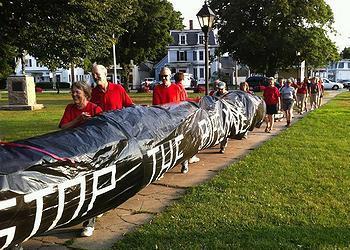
(178, 55)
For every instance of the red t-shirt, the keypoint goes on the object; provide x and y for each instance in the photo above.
(183, 93)
(302, 88)
(114, 98)
(163, 94)
(271, 95)
(71, 112)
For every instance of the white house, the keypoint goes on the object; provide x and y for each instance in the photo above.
(186, 54)
(42, 74)
(339, 70)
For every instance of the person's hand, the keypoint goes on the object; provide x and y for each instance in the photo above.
(85, 116)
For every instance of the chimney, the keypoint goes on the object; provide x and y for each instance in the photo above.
(191, 24)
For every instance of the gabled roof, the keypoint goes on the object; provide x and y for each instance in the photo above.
(192, 37)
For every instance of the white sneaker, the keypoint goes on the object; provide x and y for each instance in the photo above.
(87, 231)
(193, 159)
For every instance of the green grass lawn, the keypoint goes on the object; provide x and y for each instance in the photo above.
(292, 192)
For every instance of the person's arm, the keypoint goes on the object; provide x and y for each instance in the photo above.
(79, 119)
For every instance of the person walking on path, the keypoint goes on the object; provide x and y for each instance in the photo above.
(302, 93)
(109, 96)
(314, 93)
(321, 92)
(288, 95)
(272, 99)
(167, 92)
(220, 92)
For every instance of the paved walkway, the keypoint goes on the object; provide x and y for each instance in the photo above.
(156, 197)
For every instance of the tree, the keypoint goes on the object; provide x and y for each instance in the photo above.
(267, 34)
(345, 54)
(62, 33)
(147, 35)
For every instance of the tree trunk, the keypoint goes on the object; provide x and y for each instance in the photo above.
(72, 73)
(125, 74)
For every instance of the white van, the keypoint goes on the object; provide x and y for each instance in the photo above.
(188, 78)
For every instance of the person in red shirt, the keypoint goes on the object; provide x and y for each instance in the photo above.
(272, 100)
(166, 92)
(302, 93)
(321, 88)
(81, 109)
(108, 95)
(179, 78)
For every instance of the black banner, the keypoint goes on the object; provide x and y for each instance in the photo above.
(63, 178)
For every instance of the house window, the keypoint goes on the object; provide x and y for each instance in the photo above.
(183, 39)
(200, 39)
(181, 56)
(201, 55)
(201, 72)
(348, 65)
(28, 62)
(194, 55)
(195, 73)
(341, 65)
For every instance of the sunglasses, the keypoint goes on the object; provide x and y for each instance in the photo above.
(164, 76)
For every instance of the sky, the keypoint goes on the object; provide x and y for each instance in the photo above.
(341, 8)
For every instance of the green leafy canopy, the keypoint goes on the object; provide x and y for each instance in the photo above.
(267, 34)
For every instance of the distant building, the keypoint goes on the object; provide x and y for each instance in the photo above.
(339, 70)
(41, 73)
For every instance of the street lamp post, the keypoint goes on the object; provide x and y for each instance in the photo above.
(206, 19)
(114, 61)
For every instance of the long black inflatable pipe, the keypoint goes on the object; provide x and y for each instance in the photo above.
(109, 159)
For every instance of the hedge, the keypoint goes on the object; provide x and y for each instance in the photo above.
(49, 85)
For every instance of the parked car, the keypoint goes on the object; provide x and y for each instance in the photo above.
(346, 83)
(328, 84)
(257, 83)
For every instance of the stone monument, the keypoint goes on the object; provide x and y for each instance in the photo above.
(21, 94)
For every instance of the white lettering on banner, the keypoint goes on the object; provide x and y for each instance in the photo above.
(227, 121)
(178, 155)
(152, 152)
(95, 191)
(61, 198)
(166, 165)
(8, 232)
(204, 127)
(38, 196)
(240, 120)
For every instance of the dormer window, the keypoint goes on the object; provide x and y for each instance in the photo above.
(182, 39)
(200, 39)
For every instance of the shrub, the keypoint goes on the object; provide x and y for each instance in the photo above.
(64, 85)
(44, 85)
(50, 85)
